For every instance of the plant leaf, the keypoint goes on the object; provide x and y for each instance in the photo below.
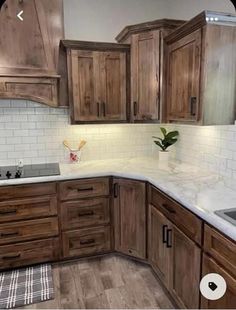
(160, 145)
(172, 134)
(163, 130)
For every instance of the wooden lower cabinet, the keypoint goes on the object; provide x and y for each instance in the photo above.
(175, 258)
(130, 217)
(89, 241)
(158, 253)
(228, 301)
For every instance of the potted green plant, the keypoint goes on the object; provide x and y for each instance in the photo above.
(169, 138)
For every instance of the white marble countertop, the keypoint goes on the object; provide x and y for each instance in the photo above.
(198, 190)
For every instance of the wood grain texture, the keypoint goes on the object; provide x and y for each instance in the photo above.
(84, 188)
(28, 253)
(228, 301)
(98, 81)
(130, 217)
(28, 230)
(222, 249)
(188, 222)
(87, 241)
(145, 68)
(111, 282)
(28, 190)
(85, 213)
(28, 208)
(183, 78)
(31, 50)
(158, 253)
(128, 31)
(186, 266)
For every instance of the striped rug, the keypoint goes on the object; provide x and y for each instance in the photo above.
(21, 287)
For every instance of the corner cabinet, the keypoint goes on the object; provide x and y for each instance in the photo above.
(130, 217)
(201, 71)
(98, 77)
(147, 70)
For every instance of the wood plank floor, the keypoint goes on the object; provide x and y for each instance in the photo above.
(110, 282)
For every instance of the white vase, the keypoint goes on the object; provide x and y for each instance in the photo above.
(163, 156)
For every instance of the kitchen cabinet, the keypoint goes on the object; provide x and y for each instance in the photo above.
(147, 70)
(98, 81)
(201, 71)
(85, 217)
(228, 301)
(29, 55)
(130, 217)
(171, 252)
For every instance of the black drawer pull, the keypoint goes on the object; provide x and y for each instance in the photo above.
(10, 234)
(89, 213)
(164, 233)
(11, 257)
(168, 208)
(86, 189)
(135, 108)
(116, 190)
(169, 238)
(7, 212)
(89, 241)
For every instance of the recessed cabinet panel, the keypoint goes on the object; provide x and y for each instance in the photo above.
(145, 74)
(184, 59)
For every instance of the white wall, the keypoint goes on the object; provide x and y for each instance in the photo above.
(102, 20)
(186, 9)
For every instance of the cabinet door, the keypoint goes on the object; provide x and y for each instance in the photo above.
(113, 85)
(186, 259)
(85, 86)
(130, 217)
(145, 82)
(184, 59)
(228, 301)
(158, 253)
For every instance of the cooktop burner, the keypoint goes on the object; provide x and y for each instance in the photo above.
(29, 171)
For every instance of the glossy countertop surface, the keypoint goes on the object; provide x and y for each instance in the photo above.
(198, 190)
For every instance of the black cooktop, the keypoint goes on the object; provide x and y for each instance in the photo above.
(29, 171)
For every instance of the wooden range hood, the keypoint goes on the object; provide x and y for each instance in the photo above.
(29, 52)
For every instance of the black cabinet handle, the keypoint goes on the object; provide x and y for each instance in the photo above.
(7, 212)
(116, 190)
(89, 241)
(104, 109)
(169, 238)
(81, 189)
(11, 257)
(135, 108)
(89, 213)
(168, 208)
(98, 109)
(193, 103)
(164, 233)
(10, 234)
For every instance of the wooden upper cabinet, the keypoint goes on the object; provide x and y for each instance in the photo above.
(98, 81)
(29, 53)
(147, 70)
(145, 81)
(184, 59)
(201, 71)
(130, 217)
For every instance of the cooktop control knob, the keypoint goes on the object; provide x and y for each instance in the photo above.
(8, 174)
(18, 174)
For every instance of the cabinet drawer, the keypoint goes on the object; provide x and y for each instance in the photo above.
(28, 230)
(221, 248)
(23, 191)
(84, 188)
(13, 210)
(29, 253)
(86, 241)
(82, 213)
(184, 219)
